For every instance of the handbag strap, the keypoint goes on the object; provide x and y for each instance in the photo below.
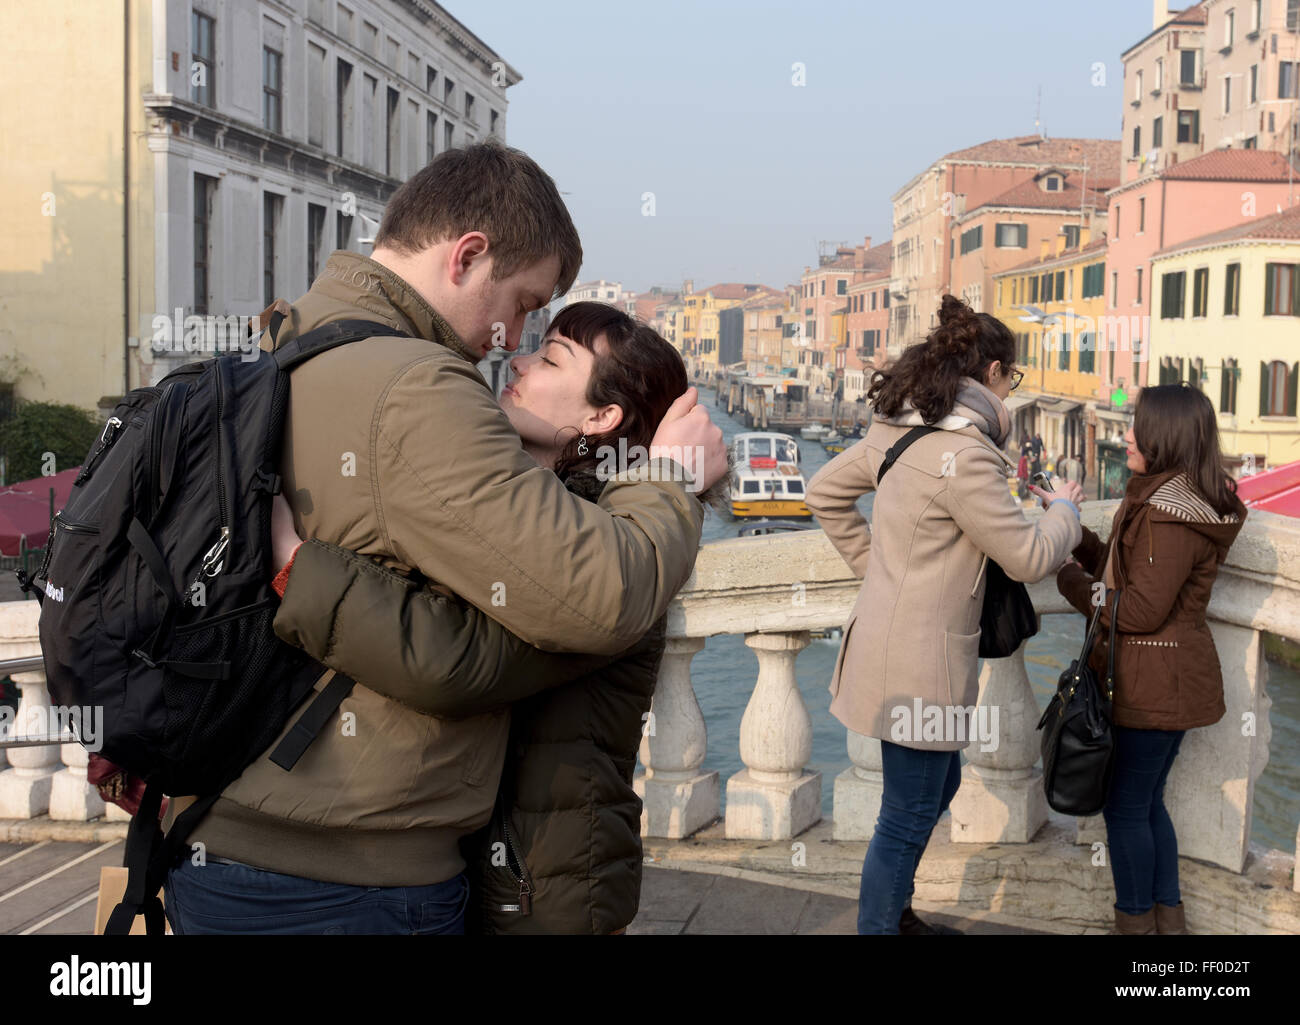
(898, 447)
(1110, 653)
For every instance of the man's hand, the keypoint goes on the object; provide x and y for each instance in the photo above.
(687, 435)
(284, 538)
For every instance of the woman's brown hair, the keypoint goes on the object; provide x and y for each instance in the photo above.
(640, 372)
(931, 373)
(1175, 428)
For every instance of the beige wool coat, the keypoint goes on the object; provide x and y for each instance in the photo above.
(941, 512)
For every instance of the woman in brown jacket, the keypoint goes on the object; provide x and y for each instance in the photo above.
(908, 671)
(1179, 516)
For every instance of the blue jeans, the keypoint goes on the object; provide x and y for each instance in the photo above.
(1143, 847)
(229, 898)
(919, 786)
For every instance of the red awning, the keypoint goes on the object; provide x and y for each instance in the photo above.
(1276, 490)
(25, 509)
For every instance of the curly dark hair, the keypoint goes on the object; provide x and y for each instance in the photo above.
(930, 374)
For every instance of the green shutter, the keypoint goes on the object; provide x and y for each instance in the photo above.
(1263, 389)
(1293, 379)
(1223, 387)
(1268, 289)
(1295, 290)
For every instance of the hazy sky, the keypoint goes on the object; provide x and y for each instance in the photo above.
(694, 102)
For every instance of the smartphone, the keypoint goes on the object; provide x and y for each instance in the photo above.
(1043, 481)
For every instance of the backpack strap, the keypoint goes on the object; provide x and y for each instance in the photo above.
(899, 447)
(299, 350)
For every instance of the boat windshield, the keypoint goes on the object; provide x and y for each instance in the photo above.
(760, 447)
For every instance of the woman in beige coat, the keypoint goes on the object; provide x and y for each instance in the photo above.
(908, 667)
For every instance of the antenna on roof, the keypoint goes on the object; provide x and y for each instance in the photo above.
(1038, 115)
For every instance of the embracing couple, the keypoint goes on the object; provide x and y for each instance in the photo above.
(498, 596)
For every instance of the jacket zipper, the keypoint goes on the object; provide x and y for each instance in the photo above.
(525, 905)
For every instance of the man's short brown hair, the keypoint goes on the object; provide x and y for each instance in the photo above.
(491, 188)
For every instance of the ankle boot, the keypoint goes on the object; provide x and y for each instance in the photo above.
(1170, 921)
(910, 925)
(1135, 925)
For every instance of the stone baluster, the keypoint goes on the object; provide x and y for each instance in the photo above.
(774, 797)
(859, 790)
(678, 799)
(1001, 799)
(25, 786)
(72, 798)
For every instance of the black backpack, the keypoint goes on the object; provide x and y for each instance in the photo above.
(156, 599)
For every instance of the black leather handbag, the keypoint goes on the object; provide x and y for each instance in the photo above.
(1008, 618)
(1078, 743)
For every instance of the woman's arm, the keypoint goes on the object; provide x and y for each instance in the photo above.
(1089, 552)
(436, 654)
(833, 495)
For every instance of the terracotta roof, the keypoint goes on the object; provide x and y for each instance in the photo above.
(1074, 253)
(1030, 196)
(876, 258)
(1232, 165)
(732, 290)
(1101, 155)
(1285, 225)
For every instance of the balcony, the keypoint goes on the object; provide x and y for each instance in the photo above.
(1000, 853)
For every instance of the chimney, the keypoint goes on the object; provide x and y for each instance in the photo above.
(1060, 243)
(688, 286)
(1043, 249)
(1085, 236)
(1160, 13)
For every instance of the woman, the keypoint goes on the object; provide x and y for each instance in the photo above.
(563, 851)
(1179, 516)
(942, 512)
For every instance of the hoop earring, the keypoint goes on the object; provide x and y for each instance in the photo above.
(582, 446)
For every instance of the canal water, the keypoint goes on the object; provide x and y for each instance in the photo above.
(725, 670)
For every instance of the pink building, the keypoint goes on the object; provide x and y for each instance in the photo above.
(867, 321)
(824, 290)
(1192, 198)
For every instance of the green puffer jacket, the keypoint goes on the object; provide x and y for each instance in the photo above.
(562, 853)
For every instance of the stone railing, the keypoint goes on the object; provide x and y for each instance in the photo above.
(775, 590)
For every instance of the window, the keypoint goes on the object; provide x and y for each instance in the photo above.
(874, 300)
(1142, 215)
(1114, 288)
(1255, 15)
(469, 107)
(1172, 293)
(1229, 29)
(1063, 356)
(1187, 67)
(1254, 84)
(1033, 289)
(1232, 291)
(1228, 387)
(342, 231)
(393, 136)
(1200, 291)
(884, 299)
(1282, 290)
(841, 287)
(315, 240)
(1158, 132)
(1137, 90)
(492, 122)
(1286, 79)
(1012, 236)
(204, 188)
(413, 67)
(271, 89)
(203, 60)
(1171, 373)
(1137, 141)
(430, 136)
(343, 112)
(1227, 94)
(317, 62)
(1189, 126)
(1117, 220)
(343, 26)
(1071, 232)
(430, 78)
(823, 286)
(1197, 371)
(1293, 15)
(1094, 281)
(448, 87)
(1059, 291)
(1160, 74)
(972, 240)
(1045, 287)
(1139, 286)
(370, 39)
(1277, 388)
(271, 204)
(1087, 352)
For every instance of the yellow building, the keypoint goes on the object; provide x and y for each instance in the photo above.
(1225, 318)
(695, 331)
(1053, 305)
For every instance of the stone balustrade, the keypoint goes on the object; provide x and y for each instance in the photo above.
(774, 591)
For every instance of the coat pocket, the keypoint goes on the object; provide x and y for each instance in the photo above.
(962, 661)
(839, 659)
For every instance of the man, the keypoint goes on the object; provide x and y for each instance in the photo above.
(395, 448)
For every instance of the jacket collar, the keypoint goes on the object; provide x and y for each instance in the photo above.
(362, 283)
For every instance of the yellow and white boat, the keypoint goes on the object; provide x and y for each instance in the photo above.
(766, 481)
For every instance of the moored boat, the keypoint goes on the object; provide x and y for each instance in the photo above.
(765, 481)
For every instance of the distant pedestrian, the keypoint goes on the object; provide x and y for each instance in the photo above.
(1037, 442)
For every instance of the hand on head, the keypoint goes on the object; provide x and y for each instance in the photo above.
(687, 435)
